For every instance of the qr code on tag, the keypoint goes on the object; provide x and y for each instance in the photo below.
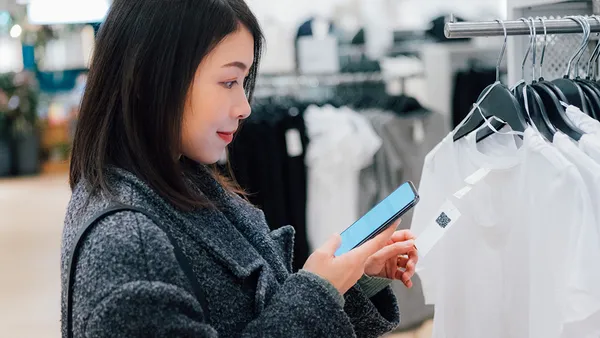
(443, 220)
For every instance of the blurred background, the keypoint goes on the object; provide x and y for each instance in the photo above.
(388, 60)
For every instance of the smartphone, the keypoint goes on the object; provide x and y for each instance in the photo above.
(379, 218)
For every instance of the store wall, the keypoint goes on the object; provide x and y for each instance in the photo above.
(406, 13)
(280, 19)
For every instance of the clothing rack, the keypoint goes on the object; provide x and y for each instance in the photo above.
(308, 80)
(280, 84)
(456, 30)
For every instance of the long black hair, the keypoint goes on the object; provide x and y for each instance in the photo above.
(144, 62)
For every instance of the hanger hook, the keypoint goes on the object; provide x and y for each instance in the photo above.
(501, 22)
(528, 48)
(586, 38)
(534, 48)
(593, 57)
(581, 48)
(544, 47)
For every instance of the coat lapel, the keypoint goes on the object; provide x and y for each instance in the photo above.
(235, 233)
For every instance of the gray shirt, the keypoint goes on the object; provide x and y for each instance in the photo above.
(401, 159)
(129, 284)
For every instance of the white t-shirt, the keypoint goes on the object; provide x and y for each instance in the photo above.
(583, 294)
(342, 143)
(582, 121)
(590, 145)
(590, 142)
(494, 274)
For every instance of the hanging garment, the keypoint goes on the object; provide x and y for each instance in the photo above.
(406, 142)
(494, 273)
(342, 143)
(292, 134)
(589, 142)
(272, 174)
(584, 282)
(582, 120)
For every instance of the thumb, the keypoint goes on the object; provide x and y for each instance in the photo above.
(332, 244)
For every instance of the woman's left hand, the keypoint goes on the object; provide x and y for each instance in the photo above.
(397, 260)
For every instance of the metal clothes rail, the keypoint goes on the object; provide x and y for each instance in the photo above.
(454, 30)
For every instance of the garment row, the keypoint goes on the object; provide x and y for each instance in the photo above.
(320, 167)
(521, 260)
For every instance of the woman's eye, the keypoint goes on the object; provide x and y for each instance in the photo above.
(229, 84)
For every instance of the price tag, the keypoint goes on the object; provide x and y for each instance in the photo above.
(418, 131)
(293, 143)
(477, 176)
(223, 159)
(448, 215)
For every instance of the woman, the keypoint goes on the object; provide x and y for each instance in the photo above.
(167, 89)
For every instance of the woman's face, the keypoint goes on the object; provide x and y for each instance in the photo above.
(217, 101)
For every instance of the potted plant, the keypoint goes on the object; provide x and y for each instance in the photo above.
(5, 153)
(21, 126)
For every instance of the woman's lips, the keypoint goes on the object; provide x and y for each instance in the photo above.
(226, 136)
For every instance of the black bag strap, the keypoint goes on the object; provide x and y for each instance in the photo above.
(112, 209)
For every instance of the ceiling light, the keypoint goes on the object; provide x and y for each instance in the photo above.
(16, 31)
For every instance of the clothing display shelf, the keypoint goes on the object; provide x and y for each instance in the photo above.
(297, 80)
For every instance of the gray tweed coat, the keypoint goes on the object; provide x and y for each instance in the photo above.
(129, 284)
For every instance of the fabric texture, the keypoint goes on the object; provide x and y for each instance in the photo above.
(128, 283)
(509, 240)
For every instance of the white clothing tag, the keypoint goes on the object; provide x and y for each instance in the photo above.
(447, 216)
(418, 131)
(394, 87)
(293, 143)
(477, 176)
(463, 192)
(223, 159)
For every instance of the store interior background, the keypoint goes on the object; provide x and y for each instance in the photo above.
(45, 47)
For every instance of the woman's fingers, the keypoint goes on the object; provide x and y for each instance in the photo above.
(405, 277)
(394, 250)
(403, 235)
(374, 245)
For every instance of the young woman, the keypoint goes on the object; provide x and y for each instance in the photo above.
(168, 88)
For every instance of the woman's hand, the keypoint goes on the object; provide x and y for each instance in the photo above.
(345, 270)
(397, 260)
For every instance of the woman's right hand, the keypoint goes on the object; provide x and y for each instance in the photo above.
(344, 271)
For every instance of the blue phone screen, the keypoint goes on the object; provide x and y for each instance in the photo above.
(385, 210)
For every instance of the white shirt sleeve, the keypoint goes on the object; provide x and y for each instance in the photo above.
(582, 121)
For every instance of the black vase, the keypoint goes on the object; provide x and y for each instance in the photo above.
(28, 154)
(5, 158)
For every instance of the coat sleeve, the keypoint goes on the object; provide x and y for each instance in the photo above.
(372, 317)
(123, 288)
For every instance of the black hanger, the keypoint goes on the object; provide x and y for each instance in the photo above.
(495, 100)
(499, 102)
(593, 85)
(572, 90)
(552, 95)
(592, 94)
